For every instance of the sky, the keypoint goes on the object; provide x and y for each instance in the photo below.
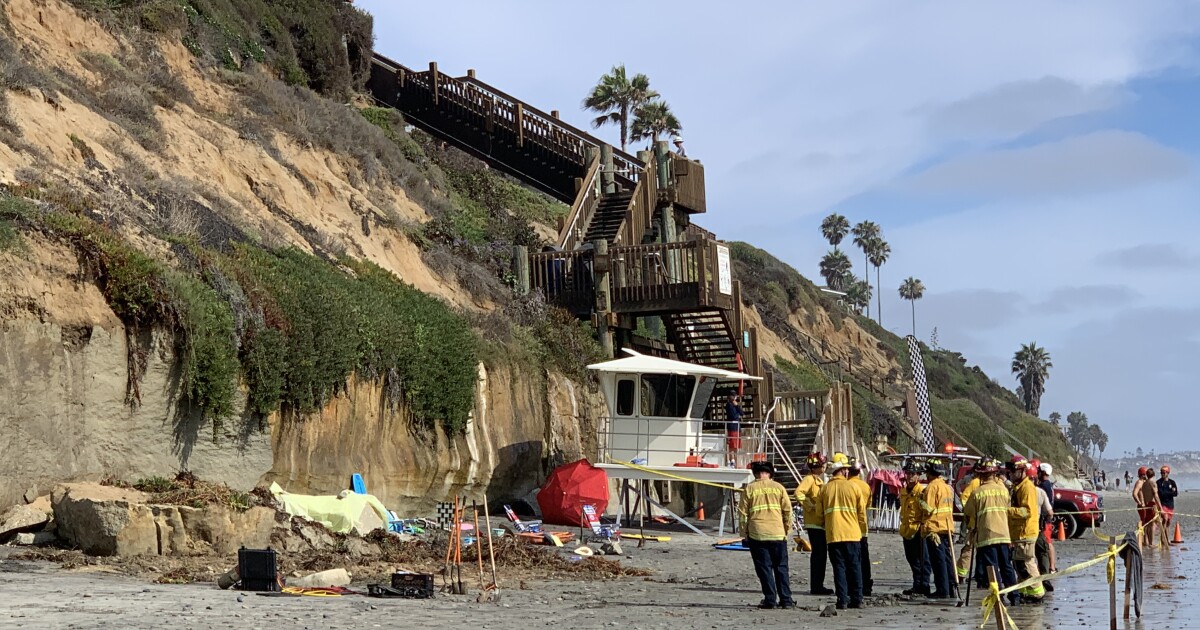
(1034, 164)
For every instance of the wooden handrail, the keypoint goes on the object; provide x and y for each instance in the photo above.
(583, 209)
(516, 115)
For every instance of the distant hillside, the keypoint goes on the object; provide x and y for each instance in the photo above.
(818, 341)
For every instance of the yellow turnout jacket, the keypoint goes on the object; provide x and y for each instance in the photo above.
(842, 509)
(986, 514)
(807, 495)
(910, 510)
(765, 512)
(937, 506)
(1023, 511)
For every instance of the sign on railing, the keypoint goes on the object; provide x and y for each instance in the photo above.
(724, 272)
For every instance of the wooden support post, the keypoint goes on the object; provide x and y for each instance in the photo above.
(433, 80)
(1112, 604)
(520, 267)
(999, 612)
(554, 114)
(702, 270)
(520, 124)
(470, 73)
(603, 284)
(662, 155)
(1128, 587)
(607, 168)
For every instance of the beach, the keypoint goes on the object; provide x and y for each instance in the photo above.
(692, 586)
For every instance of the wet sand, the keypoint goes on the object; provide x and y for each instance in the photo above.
(693, 586)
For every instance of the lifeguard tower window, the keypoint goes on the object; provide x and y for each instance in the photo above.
(625, 397)
(703, 394)
(667, 395)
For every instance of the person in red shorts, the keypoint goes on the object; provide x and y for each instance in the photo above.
(1145, 493)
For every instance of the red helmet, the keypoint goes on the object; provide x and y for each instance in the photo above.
(816, 460)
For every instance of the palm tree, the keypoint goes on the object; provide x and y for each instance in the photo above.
(652, 120)
(1101, 439)
(912, 290)
(834, 228)
(858, 294)
(878, 254)
(1055, 418)
(864, 234)
(1077, 431)
(616, 97)
(835, 268)
(1032, 366)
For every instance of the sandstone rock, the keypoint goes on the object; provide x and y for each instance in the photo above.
(21, 518)
(31, 494)
(829, 611)
(104, 521)
(332, 577)
(35, 538)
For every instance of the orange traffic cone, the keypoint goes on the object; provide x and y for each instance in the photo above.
(1178, 536)
(700, 512)
(1062, 532)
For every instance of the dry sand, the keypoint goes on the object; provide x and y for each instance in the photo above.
(693, 586)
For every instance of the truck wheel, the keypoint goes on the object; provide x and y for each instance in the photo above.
(1079, 529)
(1071, 526)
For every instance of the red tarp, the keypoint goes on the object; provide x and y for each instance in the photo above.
(568, 488)
(891, 478)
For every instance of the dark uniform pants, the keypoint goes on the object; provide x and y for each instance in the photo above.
(942, 565)
(864, 565)
(771, 564)
(816, 568)
(994, 556)
(847, 575)
(918, 561)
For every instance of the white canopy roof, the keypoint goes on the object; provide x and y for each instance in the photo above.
(639, 363)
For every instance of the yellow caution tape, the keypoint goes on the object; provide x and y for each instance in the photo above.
(678, 477)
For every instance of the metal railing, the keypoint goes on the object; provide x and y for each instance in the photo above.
(678, 442)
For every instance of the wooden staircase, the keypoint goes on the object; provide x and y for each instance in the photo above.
(609, 217)
(796, 438)
(705, 337)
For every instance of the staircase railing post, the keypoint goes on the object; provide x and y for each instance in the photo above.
(603, 283)
(608, 168)
(520, 264)
(433, 80)
(520, 124)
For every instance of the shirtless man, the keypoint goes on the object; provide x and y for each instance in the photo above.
(1145, 494)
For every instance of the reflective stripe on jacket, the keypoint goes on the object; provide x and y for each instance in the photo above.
(986, 513)
(765, 512)
(1023, 513)
(937, 506)
(864, 489)
(841, 507)
(807, 495)
(910, 510)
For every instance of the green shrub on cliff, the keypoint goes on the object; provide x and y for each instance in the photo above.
(295, 326)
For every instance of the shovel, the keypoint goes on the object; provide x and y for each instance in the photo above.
(492, 592)
(459, 587)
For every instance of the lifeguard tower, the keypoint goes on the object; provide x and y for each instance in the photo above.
(655, 428)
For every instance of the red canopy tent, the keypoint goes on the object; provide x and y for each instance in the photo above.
(568, 489)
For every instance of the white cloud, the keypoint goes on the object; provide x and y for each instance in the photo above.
(1096, 162)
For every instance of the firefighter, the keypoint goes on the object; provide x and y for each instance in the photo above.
(937, 510)
(1023, 517)
(910, 526)
(968, 547)
(766, 516)
(807, 495)
(864, 552)
(844, 520)
(986, 514)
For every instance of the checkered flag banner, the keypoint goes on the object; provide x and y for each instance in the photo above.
(445, 515)
(918, 370)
